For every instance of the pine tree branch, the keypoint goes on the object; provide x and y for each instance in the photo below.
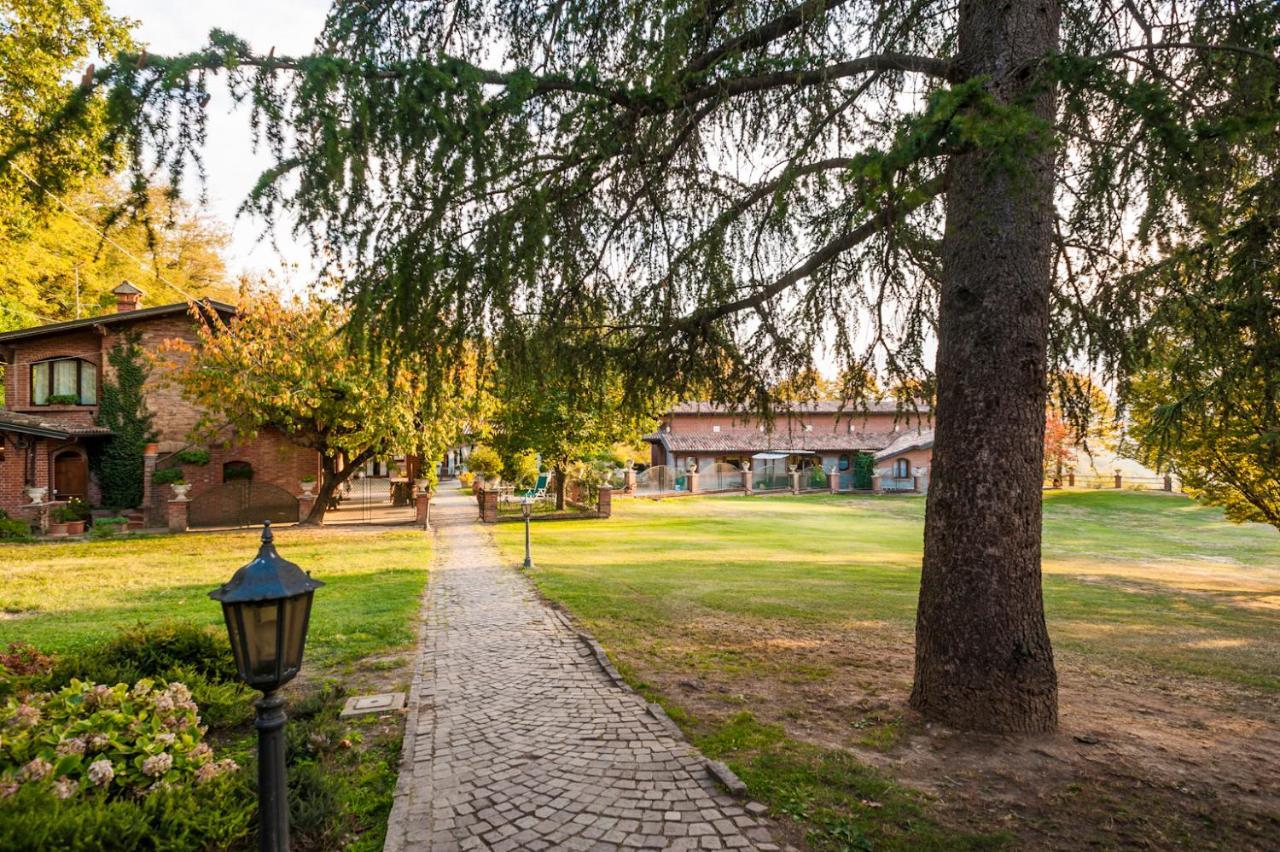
(885, 217)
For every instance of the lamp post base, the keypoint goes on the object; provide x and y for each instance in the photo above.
(273, 795)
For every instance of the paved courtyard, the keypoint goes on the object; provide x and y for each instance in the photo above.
(518, 738)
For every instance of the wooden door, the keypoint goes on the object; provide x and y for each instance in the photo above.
(70, 476)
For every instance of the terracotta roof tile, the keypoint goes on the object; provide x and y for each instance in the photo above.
(912, 440)
(50, 427)
(749, 440)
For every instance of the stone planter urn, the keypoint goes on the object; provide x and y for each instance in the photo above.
(36, 493)
(423, 485)
(180, 489)
(307, 486)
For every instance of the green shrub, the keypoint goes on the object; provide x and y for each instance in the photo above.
(23, 658)
(107, 527)
(193, 455)
(484, 462)
(196, 655)
(119, 740)
(214, 815)
(167, 476)
(63, 399)
(155, 650)
(13, 529)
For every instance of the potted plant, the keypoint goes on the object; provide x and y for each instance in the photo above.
(77, 512)
(308, 484)
(63, 399)
(59, 518)
(172, 476)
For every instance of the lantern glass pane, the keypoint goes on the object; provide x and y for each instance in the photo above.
(295, 630)
(261, 627)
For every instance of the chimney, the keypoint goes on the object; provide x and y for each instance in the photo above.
(128, 297)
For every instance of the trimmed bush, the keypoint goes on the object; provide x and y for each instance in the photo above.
(193, 455)
(167, 476)
(484, 462)
(107, 527)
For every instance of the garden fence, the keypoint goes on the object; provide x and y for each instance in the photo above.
(770, 479)
(661, 479)
(719, 477)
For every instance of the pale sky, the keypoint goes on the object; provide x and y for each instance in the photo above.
(291, 26)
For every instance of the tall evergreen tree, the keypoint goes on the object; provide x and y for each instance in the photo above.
(706, 192)
(118, 465)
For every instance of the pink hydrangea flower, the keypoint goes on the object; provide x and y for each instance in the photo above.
(101, 772)
(65, 788)
(26, 715)
(7, 787)
(157, 764)
(98, 742)
(207, 772)
(166, 739)
(36, 770)
(163, 702)
(201, 753)
(74, 745)
(227, 765)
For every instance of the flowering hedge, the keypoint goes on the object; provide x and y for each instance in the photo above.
(114, 739)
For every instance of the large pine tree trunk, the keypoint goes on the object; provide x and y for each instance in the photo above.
(983, 659)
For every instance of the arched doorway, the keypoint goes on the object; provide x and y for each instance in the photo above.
(70, 475)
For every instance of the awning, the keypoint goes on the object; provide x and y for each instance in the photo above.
(773, 456)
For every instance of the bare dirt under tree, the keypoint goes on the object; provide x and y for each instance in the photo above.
(1142, 759)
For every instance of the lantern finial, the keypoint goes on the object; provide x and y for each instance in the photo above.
(267, 537)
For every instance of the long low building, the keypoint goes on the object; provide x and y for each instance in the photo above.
(825, 434)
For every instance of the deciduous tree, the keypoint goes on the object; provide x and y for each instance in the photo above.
(44, 46)
(62, 268)
(287, 366)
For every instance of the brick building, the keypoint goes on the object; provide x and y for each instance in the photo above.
(811, 434)
(48, 430)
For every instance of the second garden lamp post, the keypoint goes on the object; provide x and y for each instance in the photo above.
(526, 509)
(267, 605)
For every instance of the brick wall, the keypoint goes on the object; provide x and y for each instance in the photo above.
(274, 458)
(12, 487)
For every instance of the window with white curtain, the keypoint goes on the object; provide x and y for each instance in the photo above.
(65, 381)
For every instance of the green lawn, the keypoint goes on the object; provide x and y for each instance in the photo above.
(1153, 576)
(773, 628)
(66, 595)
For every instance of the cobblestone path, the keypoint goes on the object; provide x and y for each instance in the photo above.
(519, 740)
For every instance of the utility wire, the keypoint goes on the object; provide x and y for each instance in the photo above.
(105, 237)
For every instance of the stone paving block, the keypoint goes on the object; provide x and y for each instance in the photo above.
(524, 737)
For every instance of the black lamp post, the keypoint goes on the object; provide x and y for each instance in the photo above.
(526, 509)
(267, 605)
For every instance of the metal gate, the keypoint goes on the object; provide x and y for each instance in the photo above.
(373, 500)
(242, 503)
